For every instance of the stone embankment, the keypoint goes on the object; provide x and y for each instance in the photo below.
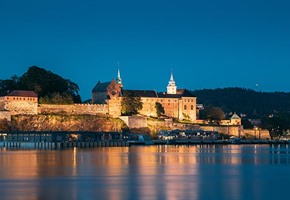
(66, 123)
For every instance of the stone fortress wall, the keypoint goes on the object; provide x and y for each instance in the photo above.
(5, 115)
(73, 109)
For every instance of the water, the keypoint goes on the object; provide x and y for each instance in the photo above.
(147, 172)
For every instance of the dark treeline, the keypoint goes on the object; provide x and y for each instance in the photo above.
(244, 101)
(50, 87)
(272, 108)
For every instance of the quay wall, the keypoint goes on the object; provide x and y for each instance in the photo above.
(73, 109)
(233, 130)
(264, 134)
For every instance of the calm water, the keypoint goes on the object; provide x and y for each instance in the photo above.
(150, 172)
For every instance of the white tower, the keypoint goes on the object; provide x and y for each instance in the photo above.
(171, 87)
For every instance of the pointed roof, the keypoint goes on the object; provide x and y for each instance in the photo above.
(142, 93)
(119, 79)
(235, 116)
(22, 93)
(171, 81)
(101, 87)
(171, 77)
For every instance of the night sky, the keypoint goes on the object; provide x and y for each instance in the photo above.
(206, 43)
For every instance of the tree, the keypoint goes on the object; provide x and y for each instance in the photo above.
(46, 84)
(159, 109)
(277, 125)
(247, 124)
(56, 98)
(131, 104)
(212, 113)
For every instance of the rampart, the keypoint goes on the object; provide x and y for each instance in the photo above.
(5, 115)
(258, 133)
(134, 121)
(73, 109)
(19, 107)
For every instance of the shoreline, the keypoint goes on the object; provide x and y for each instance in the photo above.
(65, 145)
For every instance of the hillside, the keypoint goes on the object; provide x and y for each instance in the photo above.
(245, 101)
(65, 123)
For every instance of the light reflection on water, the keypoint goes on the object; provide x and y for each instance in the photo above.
(147, 172)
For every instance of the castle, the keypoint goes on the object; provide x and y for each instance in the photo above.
(106, 100)
(177, 103)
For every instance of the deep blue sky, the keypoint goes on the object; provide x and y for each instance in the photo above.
(208, 43)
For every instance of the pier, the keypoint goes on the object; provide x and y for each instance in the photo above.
(81, 139)
(64, 139)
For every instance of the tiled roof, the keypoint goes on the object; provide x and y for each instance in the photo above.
(165, 95)
(101, 87)
(142, 93)
(22, 93)
(179, 93)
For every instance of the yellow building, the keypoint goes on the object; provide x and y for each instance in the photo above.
(177, 103)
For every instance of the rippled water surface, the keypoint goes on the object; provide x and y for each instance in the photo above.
(147, 172)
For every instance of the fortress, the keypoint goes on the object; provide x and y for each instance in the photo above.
(177, 103)
(106, 100)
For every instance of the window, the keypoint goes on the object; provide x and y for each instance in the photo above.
(184, 107)
(191, 107)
